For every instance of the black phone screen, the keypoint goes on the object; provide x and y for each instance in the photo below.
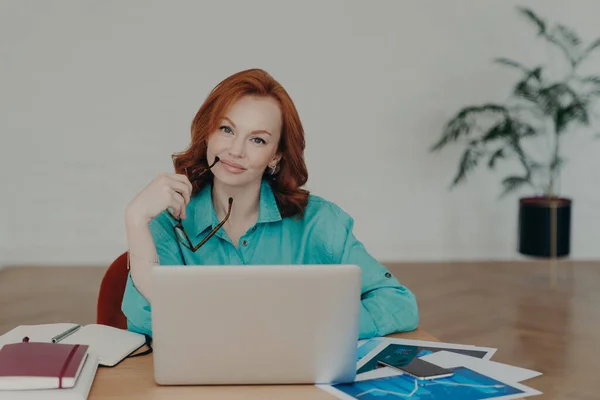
(423, 369)
(405, 359)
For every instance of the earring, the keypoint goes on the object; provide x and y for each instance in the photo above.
(273, 170)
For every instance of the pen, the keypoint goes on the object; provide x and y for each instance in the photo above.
(66, 333)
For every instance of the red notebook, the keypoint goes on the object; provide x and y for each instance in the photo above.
(37, 365)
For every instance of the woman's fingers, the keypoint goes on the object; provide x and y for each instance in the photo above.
(178, 205)
(184, 179)
(181, 188)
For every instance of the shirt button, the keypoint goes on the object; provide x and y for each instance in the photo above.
(244, 242)
(388, 275)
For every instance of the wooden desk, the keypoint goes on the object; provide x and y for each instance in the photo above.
(133, 379)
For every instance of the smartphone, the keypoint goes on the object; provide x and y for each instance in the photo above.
(416, 368)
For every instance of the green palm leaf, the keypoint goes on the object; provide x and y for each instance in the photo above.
(527, 89)
(499, 131)
(531, 16)
(512, 183)
(568, 35)
(512, 63)
(498, 154)
(575, 112)
(565, 46)
(591, 79)
(593, 46)
(464, 121)
(468, 162)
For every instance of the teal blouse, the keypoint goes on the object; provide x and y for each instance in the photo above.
(322, 236)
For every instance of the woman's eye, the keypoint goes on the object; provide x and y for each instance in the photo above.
(258, 140)
(226, 129)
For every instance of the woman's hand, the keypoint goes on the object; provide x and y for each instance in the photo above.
(165, 191)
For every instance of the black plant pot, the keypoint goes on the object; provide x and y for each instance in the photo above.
(535, 226)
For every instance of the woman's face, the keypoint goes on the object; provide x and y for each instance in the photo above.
(246, 141)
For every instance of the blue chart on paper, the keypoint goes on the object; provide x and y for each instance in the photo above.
(366, 348)
(411, 350)
(465, 384)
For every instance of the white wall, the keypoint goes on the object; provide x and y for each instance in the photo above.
(96, 96)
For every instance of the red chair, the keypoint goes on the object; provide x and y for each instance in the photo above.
(111, 294)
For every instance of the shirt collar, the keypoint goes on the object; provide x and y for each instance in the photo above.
(267, 210)
(205, 216)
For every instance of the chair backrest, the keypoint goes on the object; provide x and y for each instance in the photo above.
(111, 292)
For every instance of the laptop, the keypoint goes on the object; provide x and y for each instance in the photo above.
(260, 324)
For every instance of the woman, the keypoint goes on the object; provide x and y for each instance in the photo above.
(236, 198)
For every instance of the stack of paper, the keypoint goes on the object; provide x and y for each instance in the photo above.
(475, 375)
(78, 392)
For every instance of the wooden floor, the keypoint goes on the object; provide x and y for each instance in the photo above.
(510, 306)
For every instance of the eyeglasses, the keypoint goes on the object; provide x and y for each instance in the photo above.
(180, 232)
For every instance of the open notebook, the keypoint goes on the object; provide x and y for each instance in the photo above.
(110, 345)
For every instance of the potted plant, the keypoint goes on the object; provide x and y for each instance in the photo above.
(541, 109)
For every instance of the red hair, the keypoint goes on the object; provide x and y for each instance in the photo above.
(292, 174)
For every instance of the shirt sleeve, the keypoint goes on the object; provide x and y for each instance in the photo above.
(135, 306)
(386, 305)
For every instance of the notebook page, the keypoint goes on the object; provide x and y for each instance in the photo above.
(111, 345)
(35, 333)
